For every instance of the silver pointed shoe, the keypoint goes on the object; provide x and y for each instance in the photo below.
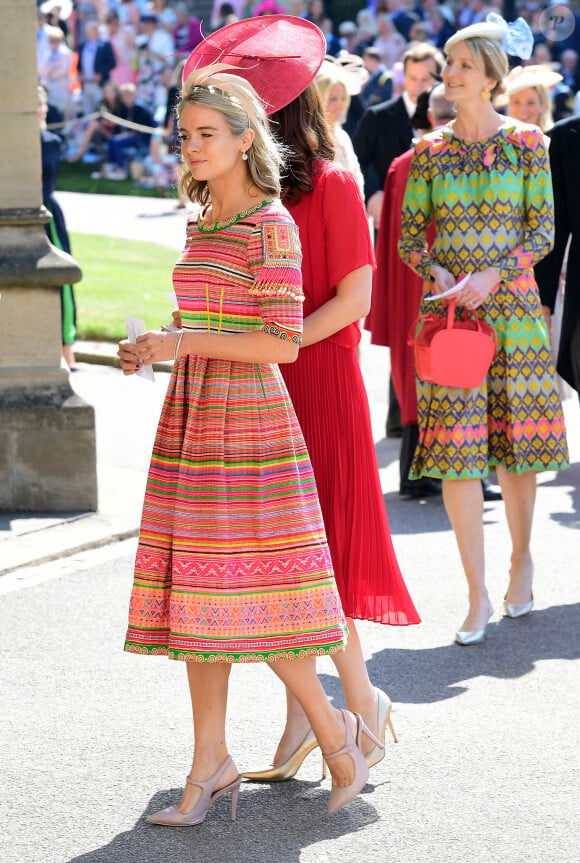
(466, 637)
(170, 817)
(517, 609)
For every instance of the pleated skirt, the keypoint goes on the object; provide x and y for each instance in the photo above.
(330, 400)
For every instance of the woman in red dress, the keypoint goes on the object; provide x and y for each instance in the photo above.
(330, 400)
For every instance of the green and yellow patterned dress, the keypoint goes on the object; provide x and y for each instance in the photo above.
(491, 202)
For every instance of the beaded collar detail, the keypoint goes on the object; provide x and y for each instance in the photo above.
(218, 226)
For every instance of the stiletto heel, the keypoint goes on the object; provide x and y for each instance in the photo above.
(170, 817)
(288, 768)
(385, 707)
(341, 795)
(235, 795)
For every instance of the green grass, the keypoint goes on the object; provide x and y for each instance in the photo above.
(120, 277)
(76, 177)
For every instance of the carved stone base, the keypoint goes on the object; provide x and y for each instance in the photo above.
(47, 433)
(47, 458)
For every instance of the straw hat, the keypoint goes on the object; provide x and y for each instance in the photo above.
(353, 72)
(515, 37)
(65, 7)
(279, 55)
(522, 77)
(481, 30)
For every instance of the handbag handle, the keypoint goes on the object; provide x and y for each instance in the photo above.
(451, 320)
(450, 323)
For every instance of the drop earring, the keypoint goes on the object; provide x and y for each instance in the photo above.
(244, 156)
(486, 94)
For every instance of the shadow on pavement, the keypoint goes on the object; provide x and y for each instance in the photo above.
(387, 450)
(571, 478)
(275, 822)
(511, 650)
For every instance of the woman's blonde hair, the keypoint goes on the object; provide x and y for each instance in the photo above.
(545, 120)
(327, 76)
(491, 60)
(238, 103)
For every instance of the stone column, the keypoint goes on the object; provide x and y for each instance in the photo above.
(47, 433)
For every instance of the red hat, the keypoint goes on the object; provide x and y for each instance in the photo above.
(279, 55)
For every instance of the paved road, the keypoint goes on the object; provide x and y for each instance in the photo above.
(486, 768)
(487, 764)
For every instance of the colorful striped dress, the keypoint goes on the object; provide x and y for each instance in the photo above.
(491, 202)
(232, 563)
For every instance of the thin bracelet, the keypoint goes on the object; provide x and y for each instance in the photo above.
(177, 346)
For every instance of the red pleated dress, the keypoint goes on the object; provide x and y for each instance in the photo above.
(330, 400)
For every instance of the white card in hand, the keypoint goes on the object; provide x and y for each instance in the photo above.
(136, 327)
(449, 291)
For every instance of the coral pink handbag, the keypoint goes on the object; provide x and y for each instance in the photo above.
(454, 353)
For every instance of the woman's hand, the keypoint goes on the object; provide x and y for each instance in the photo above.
(478, 288)
(443, 280)
(128, 358)
(176, 316)
(155, 347)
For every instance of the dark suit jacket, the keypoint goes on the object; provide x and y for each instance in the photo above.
(384, 133)
(105, 60)
(565, 164)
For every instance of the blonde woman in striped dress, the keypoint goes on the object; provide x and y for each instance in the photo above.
(233, 563)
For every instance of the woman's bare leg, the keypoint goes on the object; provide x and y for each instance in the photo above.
(359, 694)
(208, 687)
(299, 676)
(89, 131)
(463, 501)
(519, 494)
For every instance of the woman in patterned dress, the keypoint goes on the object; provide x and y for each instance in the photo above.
(232, 563)
(485, 182)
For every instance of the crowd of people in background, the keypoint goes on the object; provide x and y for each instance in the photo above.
(112, 73)
(124, 56)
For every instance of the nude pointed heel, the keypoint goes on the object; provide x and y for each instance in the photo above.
(170, 817)
(289, 768)
(385, 707)
(340, 796)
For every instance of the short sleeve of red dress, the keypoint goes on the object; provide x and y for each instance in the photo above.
(335, 239)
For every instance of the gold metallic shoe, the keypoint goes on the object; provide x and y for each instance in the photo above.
(385, 707)
(290, 767)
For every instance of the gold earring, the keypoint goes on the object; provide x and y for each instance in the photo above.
(486, 94)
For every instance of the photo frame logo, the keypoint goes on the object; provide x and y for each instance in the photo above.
(557, 22)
